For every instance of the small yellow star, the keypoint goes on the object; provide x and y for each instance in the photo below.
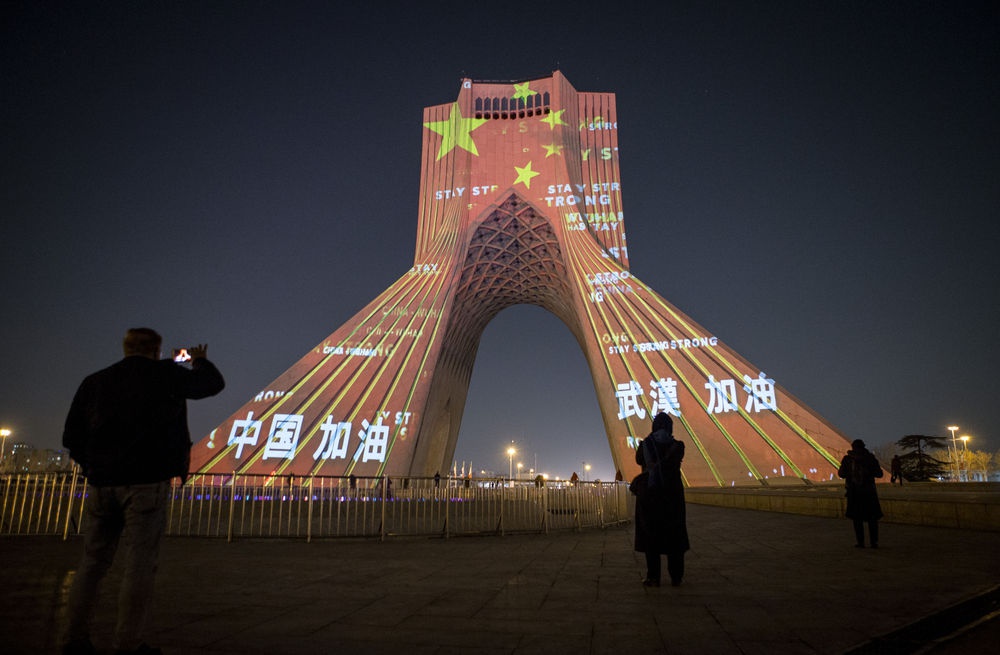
(524, 175)
(521, 91)
(553, 149)
(555, 118)
(456, 131)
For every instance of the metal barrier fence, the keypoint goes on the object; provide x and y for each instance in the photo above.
(313, 507)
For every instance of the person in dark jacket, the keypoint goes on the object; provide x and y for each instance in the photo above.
(859, 468)
(660, 513)
(127, 429)
(896, 468)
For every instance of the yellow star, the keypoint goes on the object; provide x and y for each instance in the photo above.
(456, 131)
(555, 118)
(524, 175)
(521, 91)
(554, 149)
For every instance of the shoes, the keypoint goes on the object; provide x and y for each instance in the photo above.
(649, 582)
(142, 649)
(79, 647)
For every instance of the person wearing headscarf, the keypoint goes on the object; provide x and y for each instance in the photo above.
(660, 514)
(859, 468)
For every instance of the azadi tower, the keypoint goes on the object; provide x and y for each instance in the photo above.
(520, 202)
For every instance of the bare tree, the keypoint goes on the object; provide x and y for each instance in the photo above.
(979, 461)
(885, 452)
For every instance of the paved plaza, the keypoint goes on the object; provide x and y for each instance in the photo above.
(757, 582)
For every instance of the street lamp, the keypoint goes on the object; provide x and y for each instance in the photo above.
(954, 447)
(586, 471)
(510, 462)
(519, 466)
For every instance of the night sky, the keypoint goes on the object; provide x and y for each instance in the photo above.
(814, 182)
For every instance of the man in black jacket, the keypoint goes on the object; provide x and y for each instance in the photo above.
(127, 429)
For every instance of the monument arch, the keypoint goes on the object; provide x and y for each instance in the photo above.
(520, 202)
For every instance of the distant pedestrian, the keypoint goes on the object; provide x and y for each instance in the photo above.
(859, 468)
(383, 488)
(896, 469)
(127, 428)
(660, 513)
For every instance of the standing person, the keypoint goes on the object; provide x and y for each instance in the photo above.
(896, 468)
(127, 429)
(859, 468)
(660, 513)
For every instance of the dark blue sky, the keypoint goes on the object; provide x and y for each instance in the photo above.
(815, 183)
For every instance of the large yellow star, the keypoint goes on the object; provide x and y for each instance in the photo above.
(554, 149)
(521, 91)
(456, 131)
(555, 118)
(524, 175)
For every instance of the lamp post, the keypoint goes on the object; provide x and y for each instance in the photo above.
(586, 471)
(510, 461)
(965, 453)
(954, 448)
(520, 465)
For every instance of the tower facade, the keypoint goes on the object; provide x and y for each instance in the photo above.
(520, 202)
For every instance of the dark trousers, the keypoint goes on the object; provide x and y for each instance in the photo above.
(675, 566)
(128, 521)
(859, 532)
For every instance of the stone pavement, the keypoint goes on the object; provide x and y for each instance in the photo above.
(757, 582)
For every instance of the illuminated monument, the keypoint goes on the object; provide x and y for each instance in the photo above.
(520, 202)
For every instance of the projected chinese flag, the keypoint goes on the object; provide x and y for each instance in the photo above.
(520, 202)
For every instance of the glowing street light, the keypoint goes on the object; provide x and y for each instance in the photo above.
(519, 467)
(4, 432)
(586, 471)
(510, 461)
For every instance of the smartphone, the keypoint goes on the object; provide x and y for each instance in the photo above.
(182, 355)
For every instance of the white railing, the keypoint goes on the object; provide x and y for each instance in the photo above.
(250, 506)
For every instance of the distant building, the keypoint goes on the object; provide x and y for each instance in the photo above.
(25, 458)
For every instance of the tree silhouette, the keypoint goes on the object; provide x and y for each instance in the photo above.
(917, 465)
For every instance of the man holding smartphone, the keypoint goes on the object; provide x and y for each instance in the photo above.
(127, 429)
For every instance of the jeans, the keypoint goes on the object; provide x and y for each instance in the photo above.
(135, 518)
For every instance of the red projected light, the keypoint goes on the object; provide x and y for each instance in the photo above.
(520, 202)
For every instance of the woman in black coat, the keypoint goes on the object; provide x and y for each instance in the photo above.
(660, 516)
(859, 468)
